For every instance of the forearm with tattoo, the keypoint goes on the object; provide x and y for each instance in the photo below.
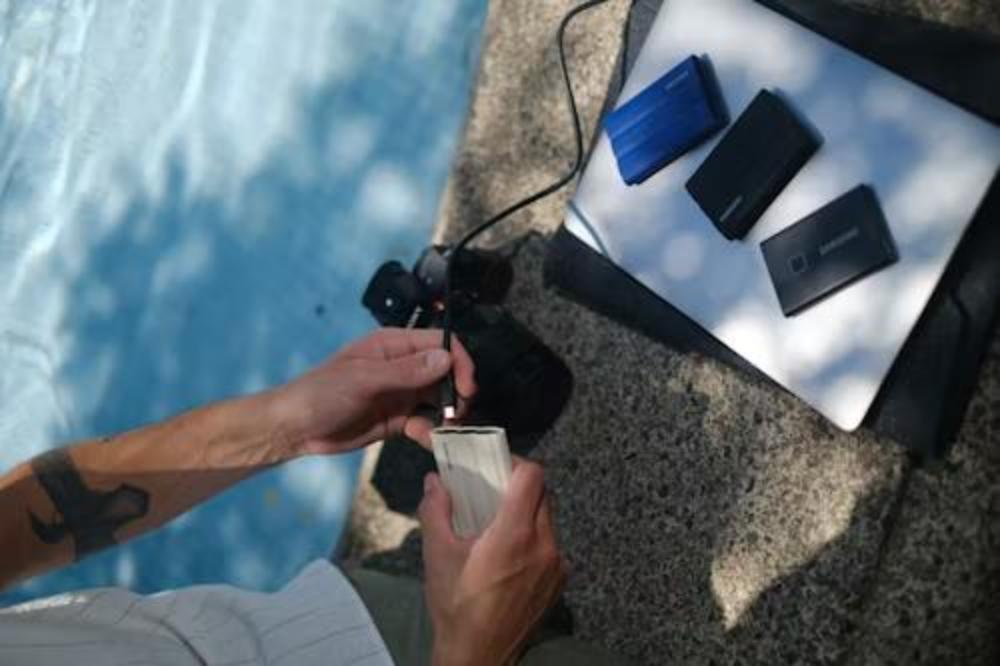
(69, 503)
(90, 518)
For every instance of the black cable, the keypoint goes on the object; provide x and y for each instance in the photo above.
(448, 386)
(625, 46)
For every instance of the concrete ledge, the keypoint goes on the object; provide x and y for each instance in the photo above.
(710, 518)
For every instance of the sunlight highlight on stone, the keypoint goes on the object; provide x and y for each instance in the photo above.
(816, 511)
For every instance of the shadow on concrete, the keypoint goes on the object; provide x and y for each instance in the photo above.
(667, 513)
(709, 519)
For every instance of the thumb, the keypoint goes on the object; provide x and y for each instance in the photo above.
(435, 511)
(524, 496)
(413, 371)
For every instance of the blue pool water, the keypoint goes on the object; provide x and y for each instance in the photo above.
(192, 198)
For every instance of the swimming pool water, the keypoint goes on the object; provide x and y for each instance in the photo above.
(192, 198)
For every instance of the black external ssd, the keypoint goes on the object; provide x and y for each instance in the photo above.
(751, 164)
(841, 242)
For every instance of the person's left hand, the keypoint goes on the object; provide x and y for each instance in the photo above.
(487, 595)
(370, 390)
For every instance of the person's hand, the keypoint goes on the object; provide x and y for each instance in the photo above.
(370, 390)
(487, 595)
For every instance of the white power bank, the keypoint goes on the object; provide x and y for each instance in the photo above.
(475, 466)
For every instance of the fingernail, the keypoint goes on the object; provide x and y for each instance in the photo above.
(436, 359)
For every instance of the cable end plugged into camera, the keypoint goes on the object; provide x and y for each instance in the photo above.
(449, 395)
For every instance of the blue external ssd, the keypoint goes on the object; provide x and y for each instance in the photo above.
(669, 117)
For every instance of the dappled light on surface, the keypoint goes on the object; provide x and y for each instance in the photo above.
(928, 161)
(764, 56)
(745, 565)
(193, 198)
(683, 256)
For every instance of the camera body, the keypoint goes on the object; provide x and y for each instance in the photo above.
(523, 385)
(412, 299)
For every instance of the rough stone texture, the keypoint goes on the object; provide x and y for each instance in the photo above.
(937, 597)
(710, 518)
(519, 135)
(706, 516)
(971, 14)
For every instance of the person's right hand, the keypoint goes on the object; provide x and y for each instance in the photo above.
(486, 595)
(370, 390)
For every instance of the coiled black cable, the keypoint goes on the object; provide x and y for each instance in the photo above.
(448, 398)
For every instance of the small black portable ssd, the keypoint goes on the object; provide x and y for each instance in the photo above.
(748, 168)
(841, 242)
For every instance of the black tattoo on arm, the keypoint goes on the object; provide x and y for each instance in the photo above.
(90, 517)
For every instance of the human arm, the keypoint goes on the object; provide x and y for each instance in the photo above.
(487, 595)
(68, 503)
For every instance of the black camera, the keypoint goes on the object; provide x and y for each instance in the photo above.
(398, 297)
(523, 385)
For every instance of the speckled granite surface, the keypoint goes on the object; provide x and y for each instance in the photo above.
(709, 518)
